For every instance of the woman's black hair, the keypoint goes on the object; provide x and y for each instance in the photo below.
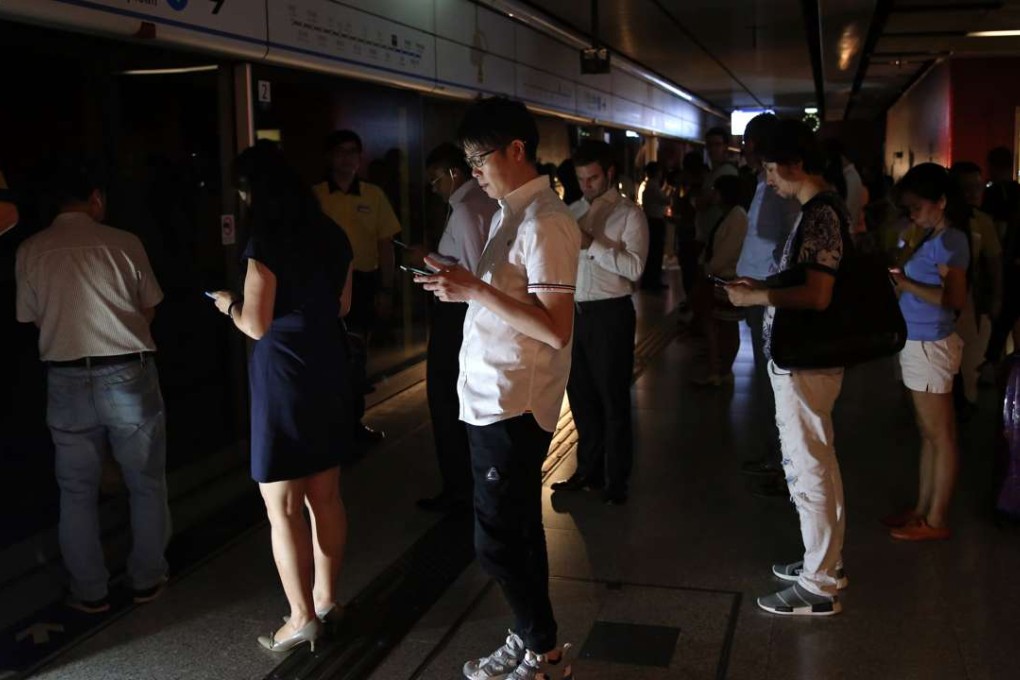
(932, 182)
(285, 215)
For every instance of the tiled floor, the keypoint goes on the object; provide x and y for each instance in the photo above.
(690, 552)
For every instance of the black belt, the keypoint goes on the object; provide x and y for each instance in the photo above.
(605, 302)
(112, 360)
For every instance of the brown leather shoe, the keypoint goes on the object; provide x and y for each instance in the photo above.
(920, 531)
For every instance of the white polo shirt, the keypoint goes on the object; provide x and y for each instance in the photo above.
(467, 228)
(533, 248)
(609, 267)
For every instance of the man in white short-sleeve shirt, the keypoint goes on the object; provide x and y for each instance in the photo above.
(91, 292)
(514, 364)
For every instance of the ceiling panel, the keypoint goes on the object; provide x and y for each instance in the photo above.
(749, 53)
(734, 54)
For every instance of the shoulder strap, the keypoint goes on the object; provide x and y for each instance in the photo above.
(910, 255)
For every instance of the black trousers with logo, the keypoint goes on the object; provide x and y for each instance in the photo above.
(506, 459)
(601, 369)
(441, 374)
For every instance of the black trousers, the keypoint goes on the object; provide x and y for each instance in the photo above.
(601, 369)
(361, 318)
(652, 276)
(506, 459)
(765, 398)
(441, 373)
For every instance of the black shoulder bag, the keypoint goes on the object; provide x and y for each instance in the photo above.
(862, 322)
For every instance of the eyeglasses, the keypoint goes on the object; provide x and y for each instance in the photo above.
(434, 181)
(477, 160)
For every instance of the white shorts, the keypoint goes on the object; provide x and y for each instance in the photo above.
(930, 366)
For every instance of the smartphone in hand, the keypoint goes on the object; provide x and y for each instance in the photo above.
(209, 295)
(718, 280)
(415, 270)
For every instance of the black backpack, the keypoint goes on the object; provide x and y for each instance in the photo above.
(862, 322)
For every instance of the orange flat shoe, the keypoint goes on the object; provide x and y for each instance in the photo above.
(920, 531)
(899, 519)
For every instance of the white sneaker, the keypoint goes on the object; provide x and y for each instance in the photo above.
(501, 663)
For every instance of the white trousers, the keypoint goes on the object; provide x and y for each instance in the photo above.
(804, 401)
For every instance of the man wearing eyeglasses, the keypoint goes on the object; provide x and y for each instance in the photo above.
(514, 364)
(467, 227)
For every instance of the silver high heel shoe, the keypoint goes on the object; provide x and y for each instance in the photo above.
(309, 633)
(332, 613)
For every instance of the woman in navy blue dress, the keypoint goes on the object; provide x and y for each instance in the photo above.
(296, 286)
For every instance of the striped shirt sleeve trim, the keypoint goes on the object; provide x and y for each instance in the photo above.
(551, 287)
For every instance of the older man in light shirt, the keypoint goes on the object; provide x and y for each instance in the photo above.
(614, 245)
(91, 291)
(464, 235)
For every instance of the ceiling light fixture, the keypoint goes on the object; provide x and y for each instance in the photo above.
(168, 71)
(810, 109)
(1012, 33)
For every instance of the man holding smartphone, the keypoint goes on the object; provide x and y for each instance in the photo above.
(514, 365)
(464, 234)
(614, 245)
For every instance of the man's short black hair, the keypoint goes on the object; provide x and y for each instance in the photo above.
(72, 179)
(1000, 157)
(760, 129)
(495, 122)
(728, 187)
(338, 137)
(652, 169)
(446, 157)
(719, 131)
(792, 142)
(965, 168)
(593, 151)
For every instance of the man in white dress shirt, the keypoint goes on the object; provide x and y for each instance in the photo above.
(514, 364)
(464, 235)
(614, 245)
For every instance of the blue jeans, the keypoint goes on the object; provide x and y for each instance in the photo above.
(117, 408)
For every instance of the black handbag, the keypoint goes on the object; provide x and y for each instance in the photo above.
(862, 322)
